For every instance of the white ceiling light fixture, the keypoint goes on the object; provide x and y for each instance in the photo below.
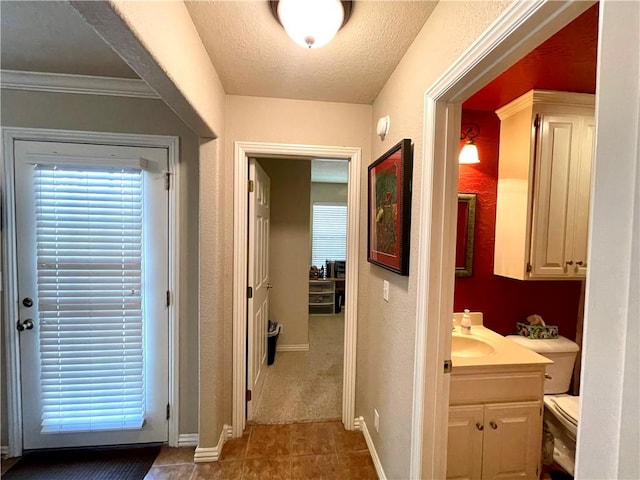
(311, 23)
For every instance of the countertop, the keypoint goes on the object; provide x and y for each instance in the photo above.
(507, 353)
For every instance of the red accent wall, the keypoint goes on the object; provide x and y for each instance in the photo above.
(504, 301)
(566, 62)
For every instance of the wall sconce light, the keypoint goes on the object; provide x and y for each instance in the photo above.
(469, 153)
(311, 23)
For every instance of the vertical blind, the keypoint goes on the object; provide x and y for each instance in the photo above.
(89, 274)
(329, 235)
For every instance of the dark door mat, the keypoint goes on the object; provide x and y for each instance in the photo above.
(86, 464)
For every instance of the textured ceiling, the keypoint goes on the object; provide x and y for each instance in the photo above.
(51, 37)
(566, 62)
(253, 55)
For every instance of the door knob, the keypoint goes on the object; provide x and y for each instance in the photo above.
(26, 325)
(27, 302)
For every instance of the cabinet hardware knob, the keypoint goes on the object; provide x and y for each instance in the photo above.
(580, 263)
(570, 262)
(493, 425)
(479, 426)
(27, 302)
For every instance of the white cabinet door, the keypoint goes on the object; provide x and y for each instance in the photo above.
(464, 446)
(582, 183)
(554, 204)
(561, 205)
(512, 441)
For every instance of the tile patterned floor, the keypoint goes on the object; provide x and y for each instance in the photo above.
(299, 451)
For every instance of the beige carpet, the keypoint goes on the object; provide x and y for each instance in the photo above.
(306, 386)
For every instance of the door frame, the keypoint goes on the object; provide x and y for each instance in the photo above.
(242, 152)
(518, 30)
(10, 267)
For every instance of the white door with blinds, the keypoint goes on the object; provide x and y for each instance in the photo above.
(92, 245)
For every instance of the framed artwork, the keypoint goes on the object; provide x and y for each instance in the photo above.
(466, 233)
(389, 199)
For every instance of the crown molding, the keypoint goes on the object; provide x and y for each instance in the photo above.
(78, 84)
(546, 97)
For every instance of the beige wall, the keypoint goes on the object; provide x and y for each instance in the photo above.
(274, 120)
(145, 116)
(386, 330)
(289, 247)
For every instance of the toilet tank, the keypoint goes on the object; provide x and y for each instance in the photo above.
(561, 351)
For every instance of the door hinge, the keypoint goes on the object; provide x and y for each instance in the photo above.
(249, 292)
(250, 186)
(529, 268)
(536, 122)
(248, 395)
(168, 411)
(167, 180)
(168, 298)
(447, 366)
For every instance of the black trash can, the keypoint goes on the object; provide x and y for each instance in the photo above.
(272, 340)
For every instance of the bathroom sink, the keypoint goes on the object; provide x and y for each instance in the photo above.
(469, 346)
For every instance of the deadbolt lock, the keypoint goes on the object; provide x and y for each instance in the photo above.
(26, 325)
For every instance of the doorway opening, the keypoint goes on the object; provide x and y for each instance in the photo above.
(517, 274)
(306, 237)
(518, 30)
(245, 151)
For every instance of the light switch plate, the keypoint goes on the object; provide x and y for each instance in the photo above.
(385, 290)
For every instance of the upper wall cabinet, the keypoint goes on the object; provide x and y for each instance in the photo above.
(544, 177)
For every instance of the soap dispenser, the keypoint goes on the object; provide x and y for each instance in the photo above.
(465, 324)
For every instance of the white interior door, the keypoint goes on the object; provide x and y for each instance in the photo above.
(92, 243)
(258, 275)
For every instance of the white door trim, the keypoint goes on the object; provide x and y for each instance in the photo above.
(521, 27)
(242, 152)
(9, 277)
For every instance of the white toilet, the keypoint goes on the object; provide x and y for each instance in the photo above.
(561, 410)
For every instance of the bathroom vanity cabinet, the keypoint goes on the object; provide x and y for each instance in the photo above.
(544, 176)
(495, 423)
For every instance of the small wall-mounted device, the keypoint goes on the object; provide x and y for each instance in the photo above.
(382, 128)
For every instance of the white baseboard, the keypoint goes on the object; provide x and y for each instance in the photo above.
(212, 454)
(360, 424)
(301, 347)
(188, 440)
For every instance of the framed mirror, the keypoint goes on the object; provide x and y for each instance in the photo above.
(465, 236)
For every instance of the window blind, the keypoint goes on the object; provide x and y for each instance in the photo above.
(89, 274)
(329, 233)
